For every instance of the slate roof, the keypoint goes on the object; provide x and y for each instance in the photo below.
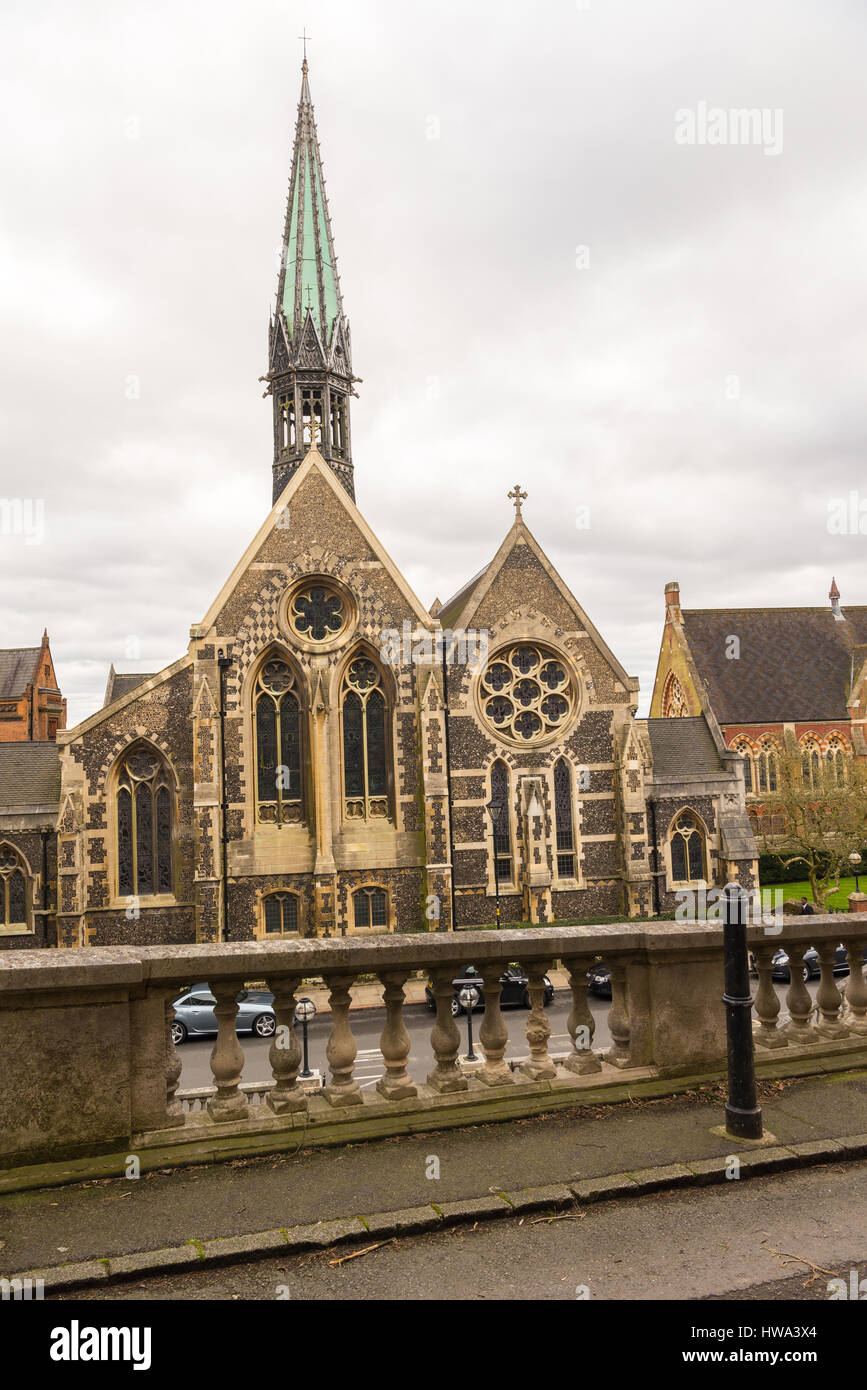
(29, 774)
(794, 663)
(121, 684)
(682, 747)
(454, 606)
(17, 665)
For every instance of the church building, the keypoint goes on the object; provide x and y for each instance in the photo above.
(330, 757)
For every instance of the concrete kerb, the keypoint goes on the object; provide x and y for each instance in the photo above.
(555, 1198)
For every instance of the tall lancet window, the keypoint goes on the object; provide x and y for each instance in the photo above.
(144, 797)
(366, 760)
(502, 832)
(563, 813)
(13, 888)
(277, 715)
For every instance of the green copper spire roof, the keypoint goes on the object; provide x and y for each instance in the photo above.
(308, 275)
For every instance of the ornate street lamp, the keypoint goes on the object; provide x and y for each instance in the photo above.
(469, 997)
(305, 1012)
(855, 860)
(495, 811)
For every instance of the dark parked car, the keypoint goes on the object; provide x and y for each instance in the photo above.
(195, 1017)
(515, 989)
(599, 980)
(780, 969)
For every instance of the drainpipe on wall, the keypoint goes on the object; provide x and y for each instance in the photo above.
(45, 835)
(651, 807)
(449, 779)
(224, 662)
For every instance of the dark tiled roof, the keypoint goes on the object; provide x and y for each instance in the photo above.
(119, 685)
(682, 747)
(453, 608)
(29, 774)
(17, 665)
(794, 663)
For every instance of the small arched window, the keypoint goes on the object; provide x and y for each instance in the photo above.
(746, 752)
(502, 822)
(280, 914)
(277, 719)
(564, 822)
(365, 741)
(688, 861)
(810, 763)
(836, 759)
(144, 824)
(370, 908)
(766, 766)
(14, 889)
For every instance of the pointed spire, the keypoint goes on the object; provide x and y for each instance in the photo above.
(310, 374)
(308, 274)
(834, 593)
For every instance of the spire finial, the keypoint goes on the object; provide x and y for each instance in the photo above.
(517, 497)
(305, 38)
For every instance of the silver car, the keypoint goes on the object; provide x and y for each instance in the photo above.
(195, 1016)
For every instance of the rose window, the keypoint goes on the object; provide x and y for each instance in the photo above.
(526, 693)
(318, 612)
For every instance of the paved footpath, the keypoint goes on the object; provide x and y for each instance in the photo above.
(168, 1217)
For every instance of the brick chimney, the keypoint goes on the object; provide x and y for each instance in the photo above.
(672, 602)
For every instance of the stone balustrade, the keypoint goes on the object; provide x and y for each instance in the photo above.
(91, 1075)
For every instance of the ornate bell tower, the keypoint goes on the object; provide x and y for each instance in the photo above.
(310, 377)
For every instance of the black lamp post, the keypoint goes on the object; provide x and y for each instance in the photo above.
(855, 860)
(469, 997)
(743, 1112)
(495, 810)
(305, 1012)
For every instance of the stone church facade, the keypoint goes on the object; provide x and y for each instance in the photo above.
(330, 757)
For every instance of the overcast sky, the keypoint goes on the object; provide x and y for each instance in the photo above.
(694, 376)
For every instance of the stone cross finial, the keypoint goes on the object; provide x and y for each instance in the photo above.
(517, 497)
(315, 428)
(305, 37)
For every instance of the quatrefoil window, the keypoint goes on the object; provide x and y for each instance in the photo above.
(526, 693)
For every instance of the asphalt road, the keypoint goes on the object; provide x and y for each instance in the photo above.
(367, 1025)
(778, 1237)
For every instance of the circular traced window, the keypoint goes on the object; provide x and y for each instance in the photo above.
(526, 693)
(318, 613)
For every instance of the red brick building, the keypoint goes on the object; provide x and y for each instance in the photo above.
(32, 708)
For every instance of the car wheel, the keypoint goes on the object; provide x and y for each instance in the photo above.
(457, 1008)
(265, 1026)
(179, 1033)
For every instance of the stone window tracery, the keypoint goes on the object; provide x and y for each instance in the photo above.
(526, 693)
(674, 705)
(564, 819)
(502, 831)
(370, 908)
(317, 611)
(13, 888)
(280, 914)
(144, 824)
(366, 756)
(279, 740)
(687, 844)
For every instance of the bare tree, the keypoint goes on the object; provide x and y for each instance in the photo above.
(816, 815)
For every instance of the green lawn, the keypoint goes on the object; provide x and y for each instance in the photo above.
(803, 890)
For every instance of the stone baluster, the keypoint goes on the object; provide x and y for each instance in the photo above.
(286, 1097)
(341, 1051)
(174, 1107)
(395, 1042)
(828, 996)
(856, 988)
(493, 1034)
(539, 1066)
(617, 1054)
(445, 1037)
(799, 1003)
(227, 1057)
(581, 1023)
(766, 1002)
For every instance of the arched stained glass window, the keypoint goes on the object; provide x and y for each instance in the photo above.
(810, 763)
(280, 914)
(687, 849)
(277, 709)
(674, 704)
(563, 814)
(836, 762)
(746, 752)
(365, 741)
(502, 822)
(13, 888)
(144, 824)
(766, 766)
